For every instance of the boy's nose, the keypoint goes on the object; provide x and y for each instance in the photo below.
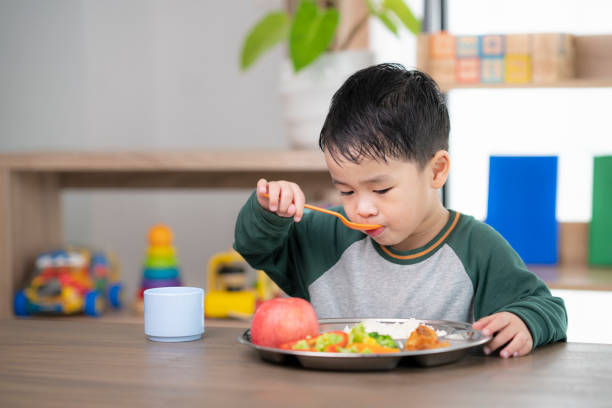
(366, 208)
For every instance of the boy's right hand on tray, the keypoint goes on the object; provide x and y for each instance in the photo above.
(285, 198)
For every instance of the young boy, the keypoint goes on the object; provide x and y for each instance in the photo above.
(385, 141)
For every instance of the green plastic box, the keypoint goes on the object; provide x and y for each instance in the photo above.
(600, 231)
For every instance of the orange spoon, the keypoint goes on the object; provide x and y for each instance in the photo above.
(350, 224)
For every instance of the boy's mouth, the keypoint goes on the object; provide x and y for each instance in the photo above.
(376, 232)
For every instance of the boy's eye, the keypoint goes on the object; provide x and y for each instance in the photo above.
(346, 193)
(383, 191)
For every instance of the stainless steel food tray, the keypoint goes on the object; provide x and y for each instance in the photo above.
(460, 335)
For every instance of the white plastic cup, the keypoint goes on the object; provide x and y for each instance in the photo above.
(174, 314)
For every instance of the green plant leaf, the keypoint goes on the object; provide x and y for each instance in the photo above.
(386, 20)
(377, 11)
(403, 12)
(311, 33)
(268, 32)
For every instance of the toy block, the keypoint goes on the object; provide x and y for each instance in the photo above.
(492, 46)
(522, 205)
(467, 70)
(518, 69)
(467, 46)
(600, 229)
(492, 70)
(553, 57)
(442, 70)
(441, 45)
(518, 44)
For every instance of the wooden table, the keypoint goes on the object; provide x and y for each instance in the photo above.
(91, 363)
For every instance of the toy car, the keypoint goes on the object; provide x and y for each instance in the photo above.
(70, 281)
(234, 289)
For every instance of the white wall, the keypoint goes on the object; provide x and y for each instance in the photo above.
(587, 314)
(138, 75)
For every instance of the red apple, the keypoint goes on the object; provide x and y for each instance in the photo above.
(281, 320)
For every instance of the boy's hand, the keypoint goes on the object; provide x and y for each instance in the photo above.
(285, 199)
(510, 329)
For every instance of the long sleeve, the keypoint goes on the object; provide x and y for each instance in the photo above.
(502, 282)
(263, 239)
(293, 254)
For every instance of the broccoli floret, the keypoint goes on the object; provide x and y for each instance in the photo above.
(383, 340)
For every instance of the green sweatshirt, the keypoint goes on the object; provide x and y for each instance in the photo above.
(464, 273)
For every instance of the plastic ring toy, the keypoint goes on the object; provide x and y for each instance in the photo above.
(161, 252)
(161, 262)
(160, 283)
(161, 273)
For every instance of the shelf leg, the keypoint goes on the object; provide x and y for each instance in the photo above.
(29, 224)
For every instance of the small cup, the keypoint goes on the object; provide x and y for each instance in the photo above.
(174, 314)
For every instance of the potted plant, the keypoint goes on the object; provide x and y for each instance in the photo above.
(315, 66)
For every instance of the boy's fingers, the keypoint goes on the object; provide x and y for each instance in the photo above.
(526, 349)
(262, 186)
(524, 344)
(286, 198)
(516, 347)
(494, 325)
(298, 200)
(273, 192)
(480, 323)
(291, 210)
(499, 340)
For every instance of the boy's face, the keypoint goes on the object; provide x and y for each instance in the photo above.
(396, 194)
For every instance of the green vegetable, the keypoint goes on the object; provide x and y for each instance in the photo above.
(357, 334)
(354, 349)
(326, 339)
(301, 345)
(383, 340)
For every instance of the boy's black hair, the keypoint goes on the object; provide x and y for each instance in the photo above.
(385, 111)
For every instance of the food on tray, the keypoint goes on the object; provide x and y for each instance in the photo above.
(330, 341)
(292, 324)
(357, 340)
(281, 320)
(423, 338)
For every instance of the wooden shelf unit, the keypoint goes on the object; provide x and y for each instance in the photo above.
(31, 184)
(592, 69)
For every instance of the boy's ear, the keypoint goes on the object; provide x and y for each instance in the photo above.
(440, 166)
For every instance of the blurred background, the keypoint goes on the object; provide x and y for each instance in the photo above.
(158, 75)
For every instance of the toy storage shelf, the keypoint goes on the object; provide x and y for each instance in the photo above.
(593, 66)
(568, 83)
(31, 185)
